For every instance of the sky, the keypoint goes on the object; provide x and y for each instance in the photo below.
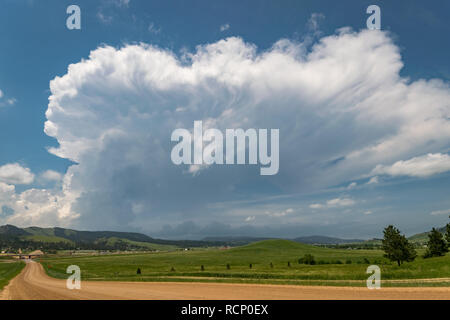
(86, 116)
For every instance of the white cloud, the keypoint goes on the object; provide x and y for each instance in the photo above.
(352, 185)
(314, 21)
(113, 114)
(278, 214)
(340, 202)
(368, 212)
(122, 3)
(373, 180)
(51, 175)
(422, 166)
(334, 203)
(224, 27)
(39, 206)
(6, 192)
(6, 101)
(14, 173)
(440, 212)
(250, 218)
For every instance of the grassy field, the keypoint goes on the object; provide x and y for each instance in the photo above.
(151, 246)
(9, 270)
(269, 264)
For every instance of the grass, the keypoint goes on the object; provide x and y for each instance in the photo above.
(187, 265)
(45, 238)
(9, 270)
(151, 246)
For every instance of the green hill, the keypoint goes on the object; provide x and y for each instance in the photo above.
(423, 237)
(268, 261)
(60, 238)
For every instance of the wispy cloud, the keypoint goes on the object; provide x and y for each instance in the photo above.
(250, 218)
(152, 28)
(352, 185)
(439, 212)
(373, 180)
(224, 27)
(422, 167)
(5, 101)
(333, 203)
(104, 18)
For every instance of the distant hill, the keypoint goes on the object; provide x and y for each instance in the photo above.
(325, 240)
(60, 238)
(235, 240)
(305, 240)
(423, 237)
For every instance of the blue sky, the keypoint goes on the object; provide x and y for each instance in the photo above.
(299, 200)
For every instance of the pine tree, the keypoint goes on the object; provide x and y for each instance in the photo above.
(436, 245)
(447, 234)
(397, 247)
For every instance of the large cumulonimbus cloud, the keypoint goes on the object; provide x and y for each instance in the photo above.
(341, 107)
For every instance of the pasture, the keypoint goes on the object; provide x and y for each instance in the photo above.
(270, 261)
(9, 270)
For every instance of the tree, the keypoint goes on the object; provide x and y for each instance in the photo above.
(436, 245)
(447, 234)
(397, 247)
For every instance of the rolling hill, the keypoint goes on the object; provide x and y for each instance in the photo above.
(423, 237)
(325, 240)
(60, 238)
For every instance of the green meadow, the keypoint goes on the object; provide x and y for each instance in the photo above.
(9, 270)
(270, 261)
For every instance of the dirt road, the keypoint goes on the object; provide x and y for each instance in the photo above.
(33, 283)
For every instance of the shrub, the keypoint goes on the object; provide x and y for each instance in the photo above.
(228, 266)
(202, 267)
(250, 266)
(366, 261)
(138, 271)
(173, 269)
(289, 263)
(271, 265)
(348, 261)
(307, 259)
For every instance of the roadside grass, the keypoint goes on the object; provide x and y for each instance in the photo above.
(9, 270)
(269, 264)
